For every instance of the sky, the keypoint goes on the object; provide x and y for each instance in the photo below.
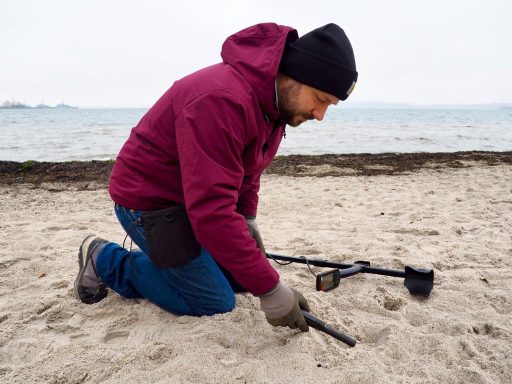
(110, 53)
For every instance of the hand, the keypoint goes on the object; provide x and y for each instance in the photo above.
(255, 233)
(282, 307)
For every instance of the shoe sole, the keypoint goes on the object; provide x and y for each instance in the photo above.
(80, 292)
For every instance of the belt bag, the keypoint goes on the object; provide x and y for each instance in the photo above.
(169, 236)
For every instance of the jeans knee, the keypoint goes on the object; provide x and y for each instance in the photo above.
(229, 305)
(225, 305)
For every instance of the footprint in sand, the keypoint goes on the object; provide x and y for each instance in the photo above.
(388, 301)
(61, 321)
(55, 228)
(9, 263)
(43, 307)
(60, 284)
(308, 251)
(416, 232)
(58, 315)
(488, 329)
(378, 337)
(161, 353)
(116, 337)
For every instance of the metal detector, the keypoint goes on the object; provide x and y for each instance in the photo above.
(419, 281)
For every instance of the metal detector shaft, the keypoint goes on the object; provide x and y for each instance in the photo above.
(330, 264)
(321, 326)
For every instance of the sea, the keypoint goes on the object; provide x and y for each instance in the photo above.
(98, 134)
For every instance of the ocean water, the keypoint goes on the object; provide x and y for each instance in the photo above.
(86, 134)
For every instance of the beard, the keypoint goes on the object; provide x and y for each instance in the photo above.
(288, 105)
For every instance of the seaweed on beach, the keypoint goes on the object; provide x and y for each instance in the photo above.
(365, 164)
(33, 172)
(95, 174)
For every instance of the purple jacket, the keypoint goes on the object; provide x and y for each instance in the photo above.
(205, 143)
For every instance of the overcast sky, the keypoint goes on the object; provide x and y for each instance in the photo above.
(103, 53)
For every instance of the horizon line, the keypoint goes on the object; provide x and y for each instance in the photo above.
(356, 104)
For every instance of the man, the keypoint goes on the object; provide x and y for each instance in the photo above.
(186, 181)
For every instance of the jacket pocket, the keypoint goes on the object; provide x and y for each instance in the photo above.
(169, 236)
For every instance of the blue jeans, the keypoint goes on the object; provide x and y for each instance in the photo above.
(200, 287)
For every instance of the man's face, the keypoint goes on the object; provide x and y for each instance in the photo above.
(299, 102)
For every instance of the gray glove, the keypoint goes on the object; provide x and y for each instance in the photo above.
(255, 233)
(282, 307)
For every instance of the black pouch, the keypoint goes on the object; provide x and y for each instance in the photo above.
(169, 236)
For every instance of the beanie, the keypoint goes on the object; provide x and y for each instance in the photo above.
(322, 59)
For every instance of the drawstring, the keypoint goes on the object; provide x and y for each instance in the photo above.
(135, 222)
(276, 102)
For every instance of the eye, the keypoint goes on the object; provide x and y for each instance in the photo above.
(321, 100)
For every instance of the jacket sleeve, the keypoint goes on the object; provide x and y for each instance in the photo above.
(248, 199)
(210, 136)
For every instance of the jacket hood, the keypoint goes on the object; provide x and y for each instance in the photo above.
(255, 52)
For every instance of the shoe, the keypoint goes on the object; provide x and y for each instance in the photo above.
(89, 289)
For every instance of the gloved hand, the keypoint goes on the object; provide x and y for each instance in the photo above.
(282, 307)
(255, 233)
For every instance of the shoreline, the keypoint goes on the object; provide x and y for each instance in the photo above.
(95, 173)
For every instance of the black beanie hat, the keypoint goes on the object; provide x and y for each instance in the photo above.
(322, 59)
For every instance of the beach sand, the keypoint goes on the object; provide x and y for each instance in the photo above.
(454, 220)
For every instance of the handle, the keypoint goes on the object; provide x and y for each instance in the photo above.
(321, 326)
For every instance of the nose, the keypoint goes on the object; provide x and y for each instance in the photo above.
(319, 112)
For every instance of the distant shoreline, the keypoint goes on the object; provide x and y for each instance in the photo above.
(38, 107)
(95, 174)
(18, 105)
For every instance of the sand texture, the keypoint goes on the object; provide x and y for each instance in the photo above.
(456, 221)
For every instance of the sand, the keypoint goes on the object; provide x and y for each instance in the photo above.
(456, 221)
